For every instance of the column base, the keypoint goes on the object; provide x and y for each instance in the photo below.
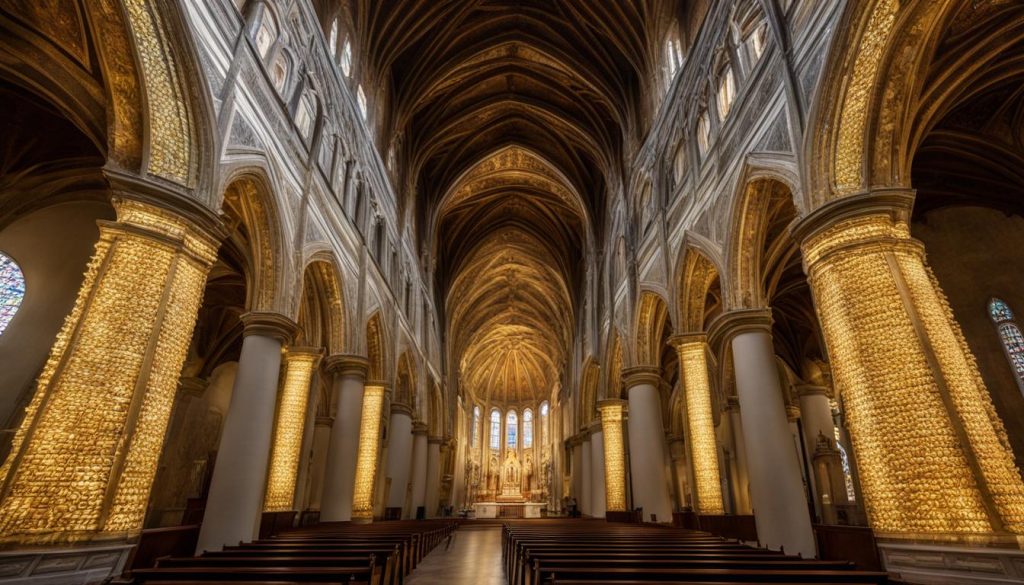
(78, 565)
(930, 564)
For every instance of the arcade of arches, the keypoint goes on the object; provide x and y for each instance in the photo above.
(670, 261)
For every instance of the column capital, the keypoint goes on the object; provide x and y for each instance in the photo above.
(792, 412)
(896, 203)
(304, 352)
(345, 364)
(324, 421)
(679, 340)
(594, 426)
(435, 440)
(574, 441)
(201, 218)
(419, 428)
(399, 408)
(728, 325)
(812, 390)
(732, 403)
(639, 375)
(266, 324)
(192, 386)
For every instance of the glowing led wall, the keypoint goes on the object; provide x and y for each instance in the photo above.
(288, 428)
(366, 461)
(614, 454)
(83, 460)
(700, 423)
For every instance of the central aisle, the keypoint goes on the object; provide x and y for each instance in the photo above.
(473, 559)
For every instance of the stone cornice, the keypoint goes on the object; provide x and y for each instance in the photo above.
(273, 325)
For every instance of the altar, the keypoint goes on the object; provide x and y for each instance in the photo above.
(508, 509)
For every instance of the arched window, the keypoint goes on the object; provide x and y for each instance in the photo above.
(527, 428)
(306, 115)
(332, 41)
(12, 290)
(361, 101)
(726, 91)
(1010, 335)
(674, 55)
(704, 132)
(346, 59)
(475, 433)
(511, 430)
(543, 423)
(495, 437)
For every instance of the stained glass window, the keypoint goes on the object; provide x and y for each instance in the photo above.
(527, 428)
(12, 290)
(543, 423)
(476, 427)
(495, 437)
(851, 493)
(1010, 335)
(511, 430)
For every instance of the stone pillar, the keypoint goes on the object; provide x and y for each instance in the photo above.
(587, 477)
(419, 465)
(647, 443)
(742, 479)
(776, 486)
(433, 475)
(368, 455)
(945, 473)
(700, 423)
(614, 451)
(598, 496)
(677, 452)
(349, 373)
(576, 445)
(318, 465)
(239, 477)
(289, 425)
(83, 460)
(303, 486)
(399, 457)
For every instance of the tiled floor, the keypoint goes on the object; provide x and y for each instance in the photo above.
(474, 559)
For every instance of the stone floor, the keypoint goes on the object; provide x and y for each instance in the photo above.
(474, 558)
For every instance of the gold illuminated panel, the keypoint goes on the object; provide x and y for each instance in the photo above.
(82, 462)
(849, 162)
(932, 453)
(366, 462)
(170, 126)
(288, 429)
(701, 425)
(614, 455)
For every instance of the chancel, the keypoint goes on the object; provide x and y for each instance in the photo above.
(401, 292)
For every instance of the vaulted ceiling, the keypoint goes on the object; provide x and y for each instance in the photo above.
(511, 121)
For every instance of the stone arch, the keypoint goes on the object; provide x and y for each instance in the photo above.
(405, 381)
(376, 348)
(652, 319)
(613, 380)
(436, 413)
(255, 226)
(699, 289)
(322, 306)
(588, 391)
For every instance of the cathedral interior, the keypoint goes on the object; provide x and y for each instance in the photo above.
(511, 291)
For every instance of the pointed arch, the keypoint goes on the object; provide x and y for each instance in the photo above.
(652, 323)
(376, 348)
(405, 381)
(249, 203)
(322, 307)
(588, 392)
(699, 290)
(613, 382)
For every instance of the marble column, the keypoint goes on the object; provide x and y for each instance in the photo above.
(777, 491)
(741, 482)
(433, 475)
(399, 462)
(587, 477)
(239, 477)
(647, 443)
(598, 496)
(318, 463)
(349, 373)
(419, 466)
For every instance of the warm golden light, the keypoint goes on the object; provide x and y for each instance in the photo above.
(700, 423)
(366, 462)
(933, 454)
(614, 454)
(82, 462)
(288, 428)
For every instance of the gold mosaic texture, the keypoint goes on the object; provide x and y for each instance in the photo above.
(849, 160)
(170, 140)
(84, 457)
(366, 462)
(914, 472)
(614, 457)
(288, 428)
(703, 447)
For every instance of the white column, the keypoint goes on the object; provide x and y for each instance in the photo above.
(587, 486)
(815, 414)
(239, 477)
(340, 469)
(419, 466)
(780, 509)
(318, 464)
(303, 485)
(680, 474)
(647, 443)
(597, 491)
(399, 457)
(576, 489)
(742, 479)
(433, 475)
